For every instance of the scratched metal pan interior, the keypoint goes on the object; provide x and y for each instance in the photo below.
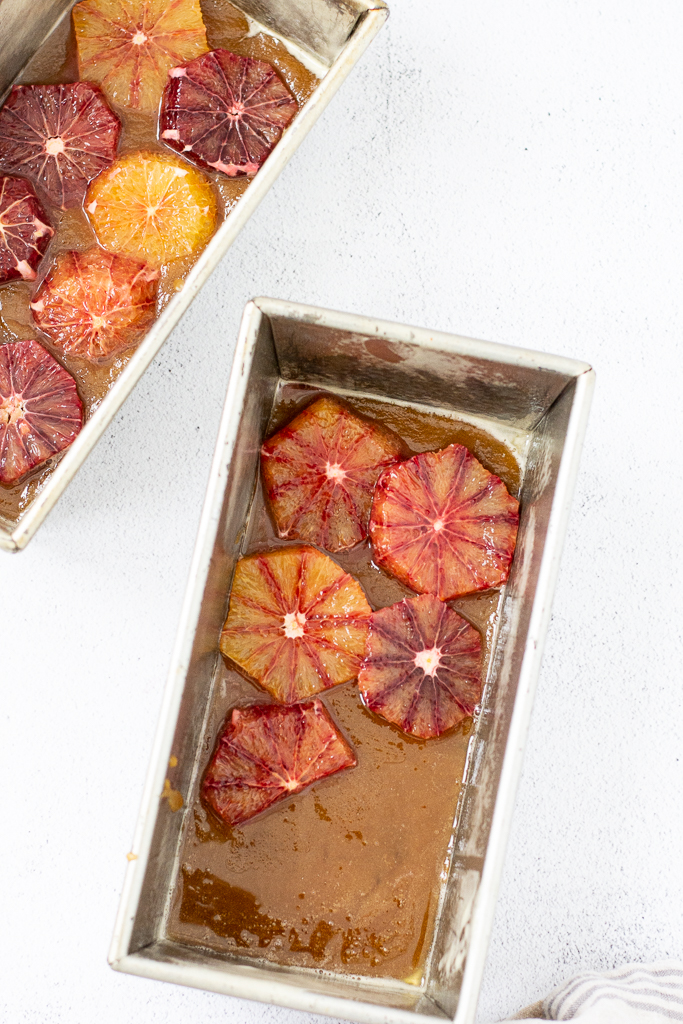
(326, 38)
(537, 405)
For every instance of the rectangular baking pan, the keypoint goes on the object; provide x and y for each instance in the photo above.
(333, 32)
(538, 402)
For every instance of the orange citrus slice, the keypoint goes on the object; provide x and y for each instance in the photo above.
(267, 753)
(129, 46)
(59, 136)
(40, 411)
(320, 473)
(225, 112)
(152, 207)
(423, 667)
(297, 622)
(96, 304)
(24, 230)
(442, 524)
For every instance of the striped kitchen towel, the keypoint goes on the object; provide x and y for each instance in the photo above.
(636, 994)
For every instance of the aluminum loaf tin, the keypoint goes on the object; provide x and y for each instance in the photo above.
(335, 33)
(542, 403)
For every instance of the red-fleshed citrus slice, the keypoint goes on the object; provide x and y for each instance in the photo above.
(423, 666)
(24, 230)
(129, 46)
(152, 207)
(225, 112)
(40, 411)
(268, 752)
(96, 304)
(320, 473)
(297, 623)
(444, 525)
(58, 136)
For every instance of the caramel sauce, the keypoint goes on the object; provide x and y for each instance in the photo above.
(56, 62)
(345, 876)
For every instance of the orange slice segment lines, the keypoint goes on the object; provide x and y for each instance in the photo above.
(152, 207)
(320, 472)
(442, 524)
(423, 667)
(40, 410)
(268, 752)
(297, 623)
(96, 304)
(129, 46)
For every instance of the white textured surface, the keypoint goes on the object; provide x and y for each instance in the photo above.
(510, 171)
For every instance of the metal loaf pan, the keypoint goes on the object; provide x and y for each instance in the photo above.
(541, 402)
(333, 32)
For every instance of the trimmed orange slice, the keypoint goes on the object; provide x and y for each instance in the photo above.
(40, 411)
(96, 304)
(152, 207)
(225, 112)
(444, 525)
(320, 473)
(129, 46)
(423, 667)
(59, 136)
(267, 753)
(297, 622)
(24, 230)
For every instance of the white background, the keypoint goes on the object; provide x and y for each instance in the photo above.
(509, 171)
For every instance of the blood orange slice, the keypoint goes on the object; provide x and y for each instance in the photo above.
(40, 411)
(423, 667)
(225, 112)
(297, 622)
(268, 752)
(24, 230)
(96, 304)
(152, 207)
(58, 136)
(442, 524)
(129, 46)
(320, 472)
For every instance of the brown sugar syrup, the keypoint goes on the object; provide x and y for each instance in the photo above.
(347, 875)
(56, 62)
